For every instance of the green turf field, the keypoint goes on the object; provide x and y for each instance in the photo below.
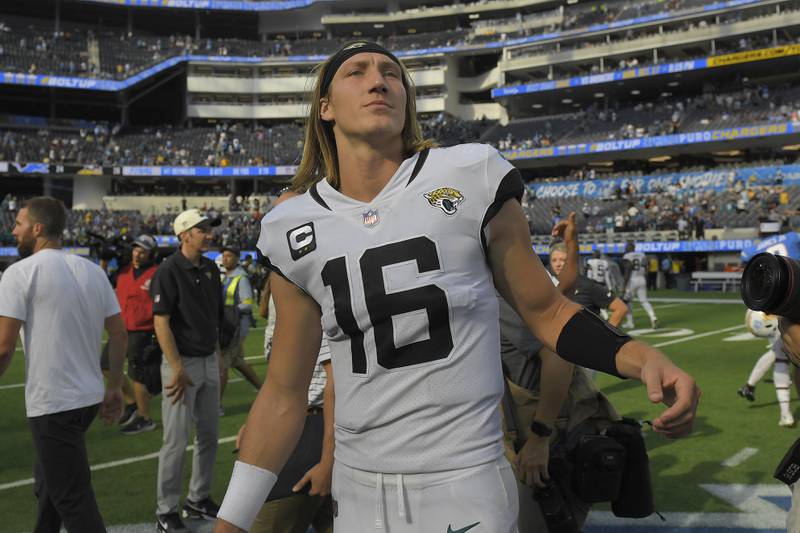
(726, 424)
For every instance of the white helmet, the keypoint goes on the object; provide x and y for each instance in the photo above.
(761, 324)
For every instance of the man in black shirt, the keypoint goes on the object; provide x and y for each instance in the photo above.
(187, 308)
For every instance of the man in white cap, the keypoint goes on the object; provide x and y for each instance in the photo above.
(187, 304)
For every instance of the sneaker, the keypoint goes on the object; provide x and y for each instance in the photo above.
(205, 509)
(787, 421)
(654, 323)
(128, 415)
(747, 392)
(170, 523)
(221, 412)
(139, 425)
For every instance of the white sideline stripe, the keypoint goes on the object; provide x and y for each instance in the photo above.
(640, 309)
(699, 300)
(739, 457)
(699, 336)
(773, 520)
(111, 464)
(21, 385)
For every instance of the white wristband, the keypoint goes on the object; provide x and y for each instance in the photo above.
(247, 491)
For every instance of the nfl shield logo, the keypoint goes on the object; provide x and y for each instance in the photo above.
(370, 218)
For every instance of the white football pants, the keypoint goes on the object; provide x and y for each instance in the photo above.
(638, 287)
(482, 499)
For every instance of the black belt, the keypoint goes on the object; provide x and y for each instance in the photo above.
(314, 411)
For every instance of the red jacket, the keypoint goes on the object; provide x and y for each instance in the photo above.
(134, 298)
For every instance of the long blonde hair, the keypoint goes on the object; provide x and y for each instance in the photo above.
(320, 159)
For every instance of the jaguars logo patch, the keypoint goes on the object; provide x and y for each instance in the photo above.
(445, 198)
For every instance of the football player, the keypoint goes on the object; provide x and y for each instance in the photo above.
(397, 247)
(634, 265)
(602, 270)
(597, 269)
(766, 327)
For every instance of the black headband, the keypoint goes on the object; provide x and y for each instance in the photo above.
(348, 51)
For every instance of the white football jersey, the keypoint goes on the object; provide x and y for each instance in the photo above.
(597, 270)
(408, 305)
(638, 262)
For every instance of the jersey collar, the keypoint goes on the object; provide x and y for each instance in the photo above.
(325, 195)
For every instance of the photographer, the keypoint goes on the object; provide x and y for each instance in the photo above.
(790, 333)
(549, 399)
(144, 355)
(769, 284)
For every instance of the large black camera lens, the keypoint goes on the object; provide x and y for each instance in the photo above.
(771, 283)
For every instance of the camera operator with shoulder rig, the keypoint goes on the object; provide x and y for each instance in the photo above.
(566, 441)
(790, 334)
(771, 283)
(144, 354)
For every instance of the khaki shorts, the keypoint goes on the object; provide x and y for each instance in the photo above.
(233, 355)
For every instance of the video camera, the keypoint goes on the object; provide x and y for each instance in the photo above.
(106, 249)
(120, 248)
(771, 283)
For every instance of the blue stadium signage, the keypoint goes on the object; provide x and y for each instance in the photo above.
(279, 5)
(206, 171)
(659, 141)
(702, 246)
(11, 251)
(663, 247)
(713, 179)
(226, 5)
(654, 70)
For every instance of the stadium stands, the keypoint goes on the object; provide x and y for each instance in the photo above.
(241, 144)
(237, 228)
(29, 45)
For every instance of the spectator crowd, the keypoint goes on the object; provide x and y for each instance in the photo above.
(247, 144)
(93, 227)
(34, 46)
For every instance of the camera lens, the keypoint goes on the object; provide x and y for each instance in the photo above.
(771, 283)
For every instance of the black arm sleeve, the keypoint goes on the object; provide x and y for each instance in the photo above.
(589, 341)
